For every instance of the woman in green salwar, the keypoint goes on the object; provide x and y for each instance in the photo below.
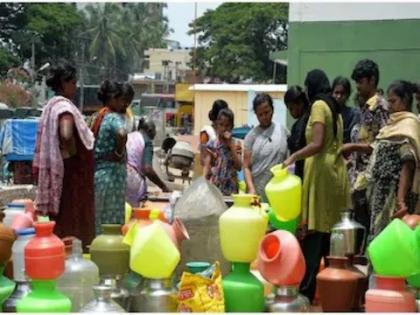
(325, 190)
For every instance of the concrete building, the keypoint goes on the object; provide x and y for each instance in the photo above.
(167, 64)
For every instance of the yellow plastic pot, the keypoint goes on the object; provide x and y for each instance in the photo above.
(284, 193)
(242, 227)
(153, 254)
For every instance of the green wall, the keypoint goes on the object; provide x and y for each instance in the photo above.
(335, 47)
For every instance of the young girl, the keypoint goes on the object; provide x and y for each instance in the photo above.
(222, 161)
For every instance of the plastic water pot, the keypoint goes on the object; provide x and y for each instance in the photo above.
(18, 253)
(280, 259)
(44, 298)
(243, 292)
(396, 251)
(153, 254)
(78, 278)
(6, 286)
(289, 226)
(390, 295)
(11, 211)
(242, 227)
(284, 192)
(109, 252)
(45, 253)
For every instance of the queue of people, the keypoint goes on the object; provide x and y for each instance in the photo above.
(364, 157)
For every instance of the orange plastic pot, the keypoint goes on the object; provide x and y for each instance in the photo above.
(45, 253)
(280, 259)
(390, 295)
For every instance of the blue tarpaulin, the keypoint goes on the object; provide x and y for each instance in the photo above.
(17, 139)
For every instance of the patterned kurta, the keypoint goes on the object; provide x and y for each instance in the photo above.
(223, 173)
(110, 177)
(383, 175)
(374, 115)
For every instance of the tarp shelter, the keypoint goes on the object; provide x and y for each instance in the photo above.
(17, 139)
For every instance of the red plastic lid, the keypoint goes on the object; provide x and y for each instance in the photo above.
(141, 213)
(45, 243)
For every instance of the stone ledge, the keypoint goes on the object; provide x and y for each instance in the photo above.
(12, 192)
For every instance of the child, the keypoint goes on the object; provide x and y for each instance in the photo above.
(222, 161)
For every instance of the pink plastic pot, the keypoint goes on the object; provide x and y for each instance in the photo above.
(280, 259)
(22, 221)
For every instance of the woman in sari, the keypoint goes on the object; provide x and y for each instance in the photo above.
(64, 161)
(392, 178)
(110, 155)
(140, 163)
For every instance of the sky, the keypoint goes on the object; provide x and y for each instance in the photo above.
(180, 14)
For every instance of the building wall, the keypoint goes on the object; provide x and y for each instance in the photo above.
(158, 55)
(318, 40)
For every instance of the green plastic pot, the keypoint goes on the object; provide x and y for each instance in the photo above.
(6, 287)
(396, 251)
(242, 290)
(44, 298)
(289, 226)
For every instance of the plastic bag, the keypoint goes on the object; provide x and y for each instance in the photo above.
(199, 208)
(198, 293)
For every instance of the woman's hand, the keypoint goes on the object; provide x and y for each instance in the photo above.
(290, 160)
(347, 148)
(166, 189)
(402, 210)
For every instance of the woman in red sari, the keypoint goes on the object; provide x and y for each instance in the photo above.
(64, 160)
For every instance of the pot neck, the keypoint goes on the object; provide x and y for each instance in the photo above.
(287, 290)
(157, 284)
(390, 283)
(338, 262)
(43, 229)
(279, 172)
(113, 282)
(111, 229)
(43, 285)
(242, 200)
(102, 292)
(240, 267)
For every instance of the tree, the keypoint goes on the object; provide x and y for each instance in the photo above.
(106, 32)
(235, 40)
(52, 27)
(7, 61)
(118, 47)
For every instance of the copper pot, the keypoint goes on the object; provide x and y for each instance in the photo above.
(337, 286)
(7, 237)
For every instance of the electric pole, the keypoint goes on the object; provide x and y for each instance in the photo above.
(81, 77)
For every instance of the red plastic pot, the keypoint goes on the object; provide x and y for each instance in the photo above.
(45, 253)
